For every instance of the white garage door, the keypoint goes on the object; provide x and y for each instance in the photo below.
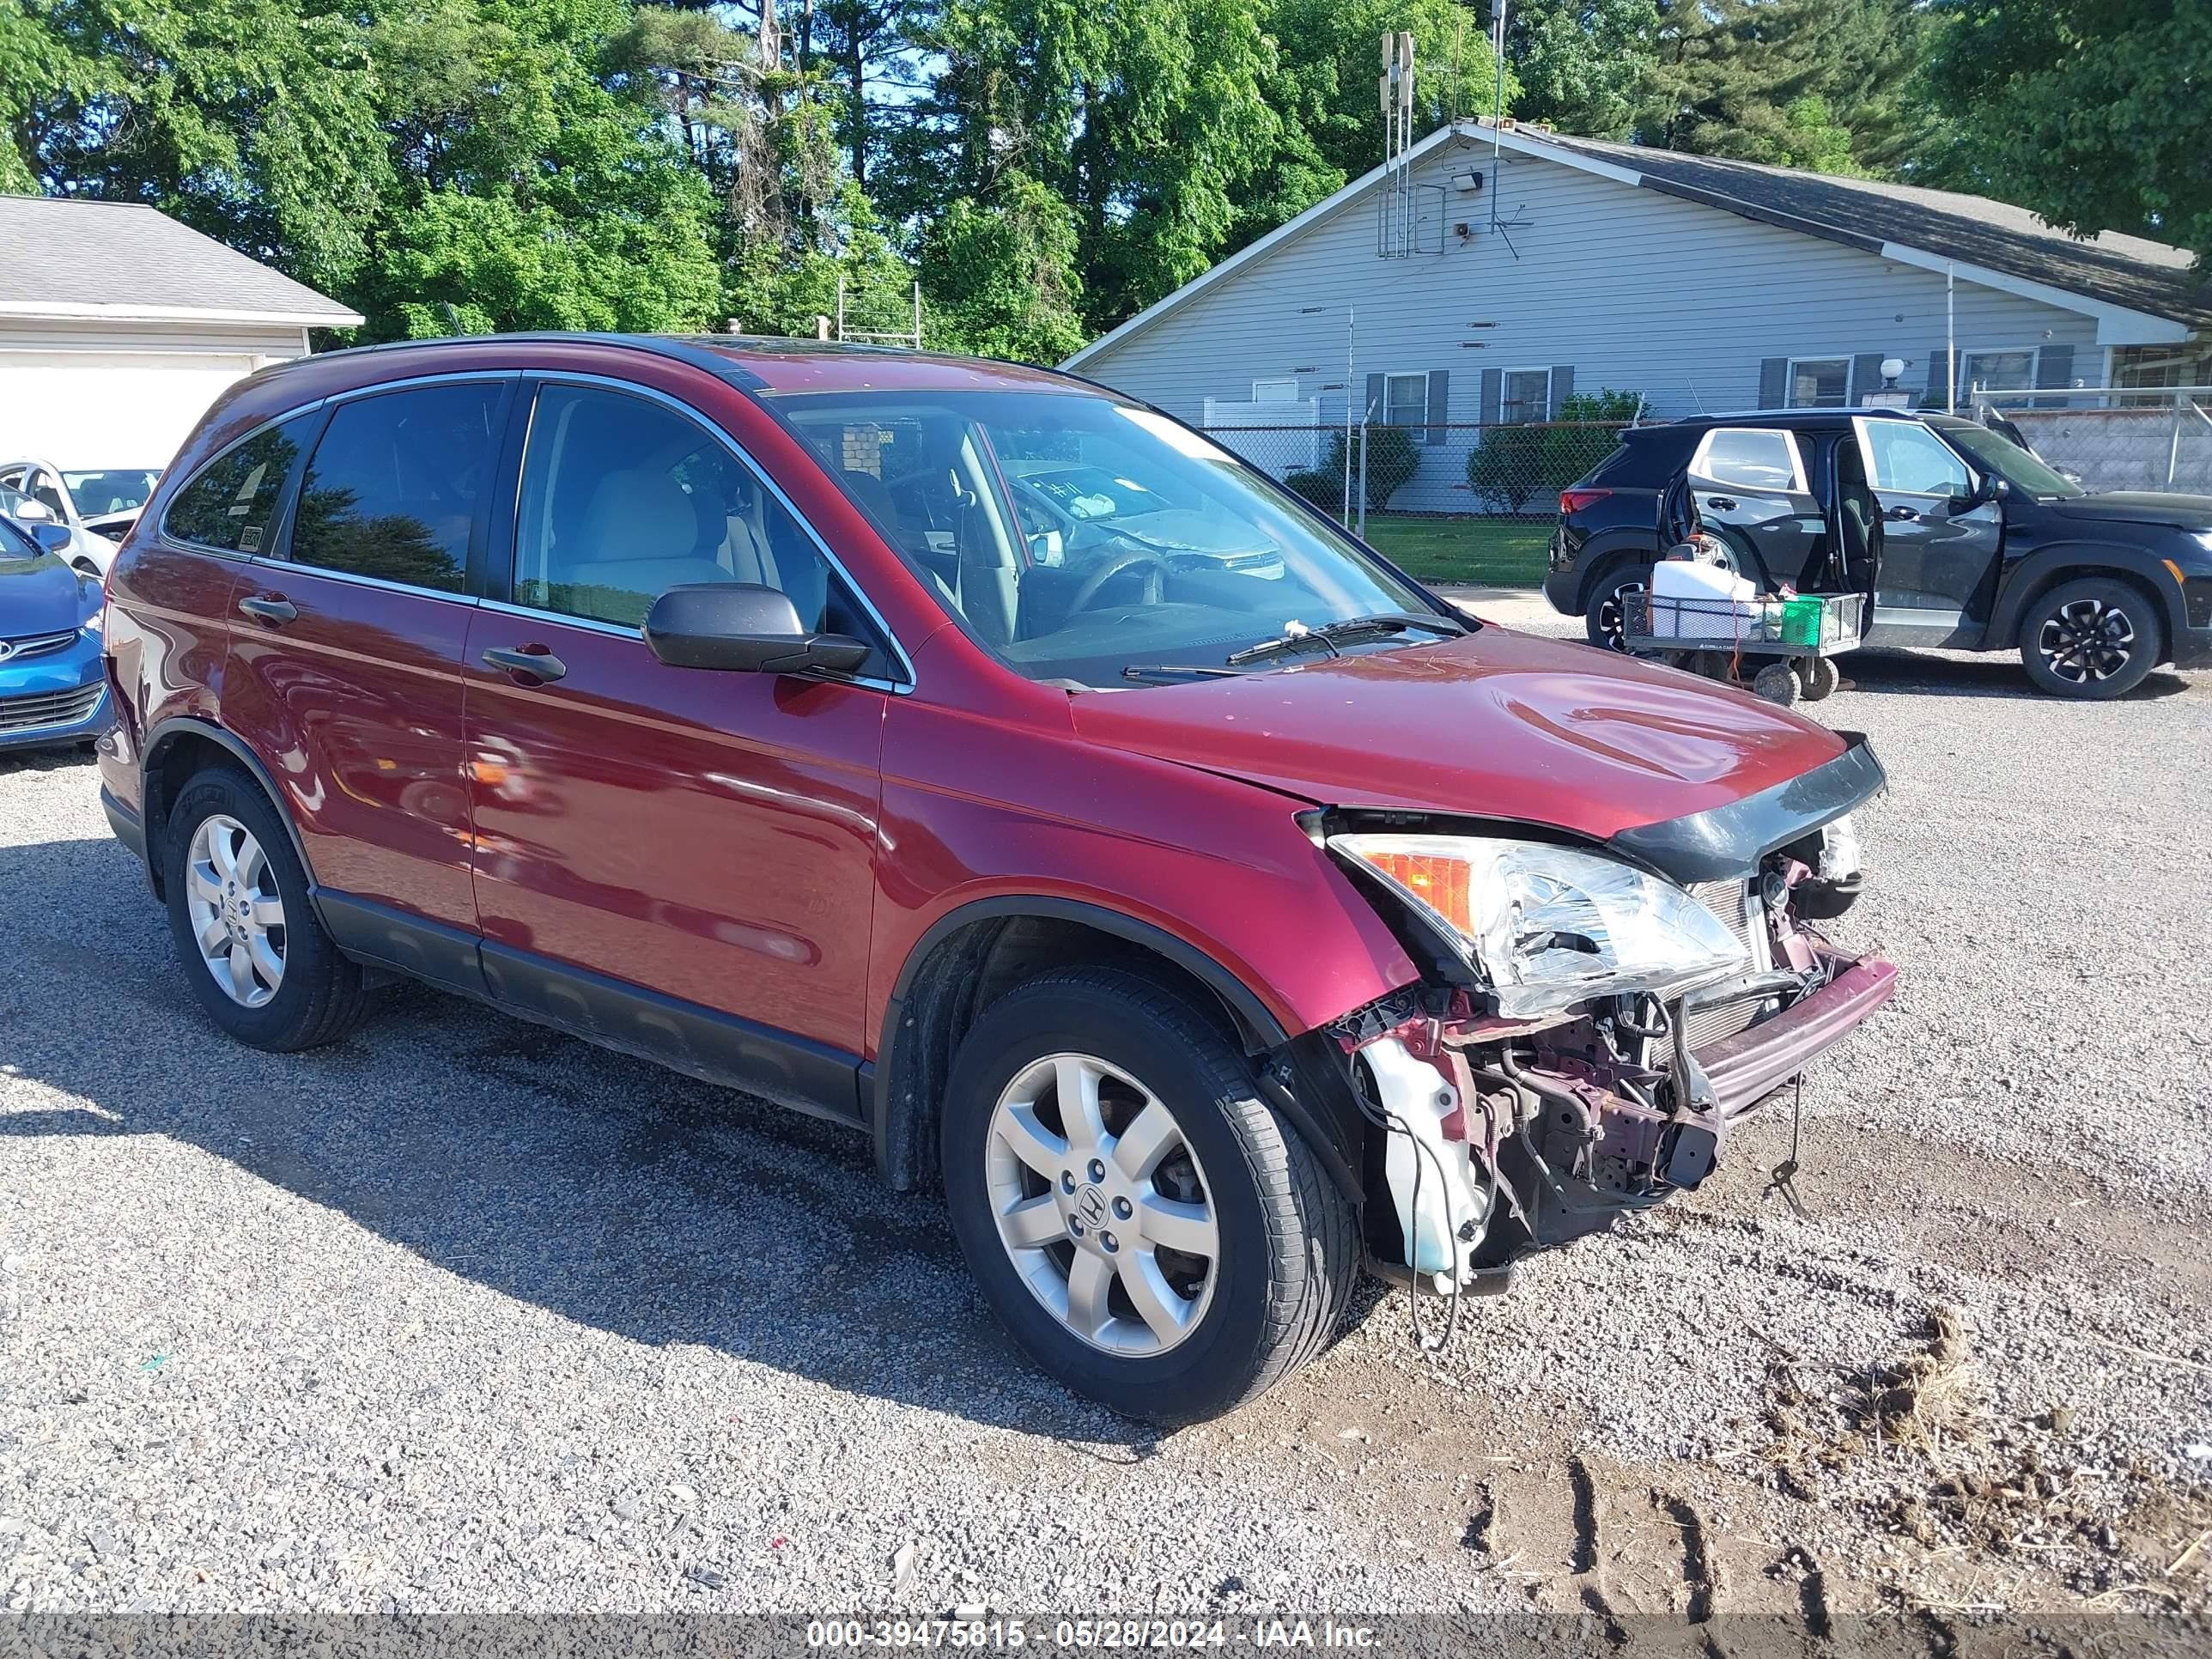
(90, 410)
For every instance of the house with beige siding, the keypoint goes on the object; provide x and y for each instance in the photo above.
(1495, 271)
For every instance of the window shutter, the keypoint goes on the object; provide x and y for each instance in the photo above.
(1378, 409)
(1939, 376)
(1494, 381)
(1773, 382)
(1563, 387)
(1439, 404)
(2054, 366)
(1866, 376)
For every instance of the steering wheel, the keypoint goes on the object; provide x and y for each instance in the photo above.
(1156, 571)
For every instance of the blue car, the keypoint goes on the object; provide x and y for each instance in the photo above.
(53, 686)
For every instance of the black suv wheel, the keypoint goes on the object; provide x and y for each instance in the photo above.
(2095, 638)
(1603, 618)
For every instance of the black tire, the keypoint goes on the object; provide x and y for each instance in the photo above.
(2094, 639)
(1822, 678)
(1601, 616)
(1289, 1251)
(320, 998)
(1779, 683)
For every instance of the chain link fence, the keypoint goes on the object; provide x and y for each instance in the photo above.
(2114, 437)
(1498, 471)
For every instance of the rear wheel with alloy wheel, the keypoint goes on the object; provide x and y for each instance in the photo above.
(1145, 1227)
(2095, 638)
(256, 957)
(1605, 619)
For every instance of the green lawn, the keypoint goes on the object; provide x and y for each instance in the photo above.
(1489, 552)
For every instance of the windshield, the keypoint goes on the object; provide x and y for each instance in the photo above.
(2008, 461)
(99, 492)
(1077, 537)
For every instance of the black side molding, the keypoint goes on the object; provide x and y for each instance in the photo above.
(699, 1041)
(1727, 843)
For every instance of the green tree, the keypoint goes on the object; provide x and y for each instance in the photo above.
(1145, 120)
(1581, 64)
(1328, 59)
(2093, 115)
(1001, 281)
(533, 190)
(1819, 84)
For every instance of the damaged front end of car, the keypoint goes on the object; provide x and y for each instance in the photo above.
(1593, 1017)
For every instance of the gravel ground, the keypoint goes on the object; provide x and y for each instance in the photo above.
(460, 1315)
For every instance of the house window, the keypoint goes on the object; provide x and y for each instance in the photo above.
(1275, 392)
(1528, 396)
(2008, 370)
(1405, 399)
(2148, 367)
(1820, 382)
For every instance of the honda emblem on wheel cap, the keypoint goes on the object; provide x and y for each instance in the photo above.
(1090, 1205)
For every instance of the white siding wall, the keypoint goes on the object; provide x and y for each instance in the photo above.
(1635, 289)
(88, 395)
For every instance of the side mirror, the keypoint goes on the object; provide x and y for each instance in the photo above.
(54, 538)
(31, 511)
(745, 627)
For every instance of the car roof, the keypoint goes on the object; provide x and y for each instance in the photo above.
(1789, 417)
(766, 364)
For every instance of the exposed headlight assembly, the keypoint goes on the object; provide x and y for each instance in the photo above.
(1549, 926)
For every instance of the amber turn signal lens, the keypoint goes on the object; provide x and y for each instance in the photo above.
(1442, 883)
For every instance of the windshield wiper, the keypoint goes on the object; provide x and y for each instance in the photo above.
(1329, 636)
(1150, 672)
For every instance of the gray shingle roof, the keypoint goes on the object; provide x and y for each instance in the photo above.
(119, 257)
(2122, 271)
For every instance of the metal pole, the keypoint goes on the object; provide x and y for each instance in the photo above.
(1498, 116)
(841, 305)
(1350, 336)
(1951, 337)
(1363, 420)
(917, 316)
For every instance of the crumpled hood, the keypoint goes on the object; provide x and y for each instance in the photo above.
(2139, 506)
(1496, 725)
(40, 596)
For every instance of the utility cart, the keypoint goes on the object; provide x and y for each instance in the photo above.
(1793, 642)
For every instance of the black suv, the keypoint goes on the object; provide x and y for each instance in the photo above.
(1960, 536)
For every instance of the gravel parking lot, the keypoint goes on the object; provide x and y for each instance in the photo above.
(462, 1315)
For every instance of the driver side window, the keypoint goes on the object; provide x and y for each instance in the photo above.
(1906, 456)
(623, 499)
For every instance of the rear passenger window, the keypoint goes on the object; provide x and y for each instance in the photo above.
(229, 505)
(1749, 458)
(392, 489)
(623, 500)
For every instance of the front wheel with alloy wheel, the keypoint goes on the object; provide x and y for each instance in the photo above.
(1147, 1231)
(2093, 639)
(253, 952)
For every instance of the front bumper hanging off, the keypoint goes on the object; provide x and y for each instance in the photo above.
(1489, 1156)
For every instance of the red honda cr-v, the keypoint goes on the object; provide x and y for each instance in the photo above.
(989, 762)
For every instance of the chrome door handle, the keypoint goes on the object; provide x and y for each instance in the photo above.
(1902, 516)
(1721, 503)
(274, 609)
(536, 666)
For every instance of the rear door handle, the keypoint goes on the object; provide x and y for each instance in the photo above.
(1902, 516)
(273, 608)
(537, 666)
(1721, 503)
